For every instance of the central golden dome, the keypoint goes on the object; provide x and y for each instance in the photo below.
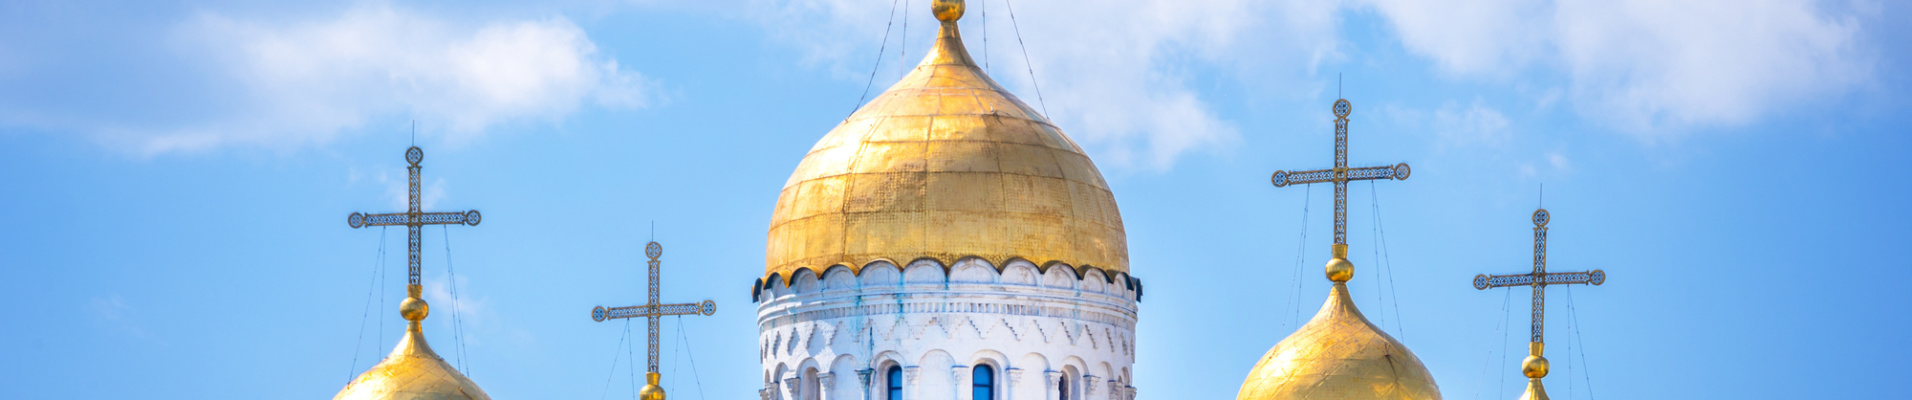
(946, 164)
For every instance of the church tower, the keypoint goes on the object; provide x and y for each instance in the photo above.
(946, 241)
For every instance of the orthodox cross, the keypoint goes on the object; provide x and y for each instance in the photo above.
(652, 311)
(1535, 366)
(1340, 175)
(413, 219)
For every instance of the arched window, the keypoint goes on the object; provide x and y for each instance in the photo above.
(1062, 388)
(809, 386)
(984, 383)
(894, 378)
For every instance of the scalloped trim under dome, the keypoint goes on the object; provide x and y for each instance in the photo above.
(968, 270)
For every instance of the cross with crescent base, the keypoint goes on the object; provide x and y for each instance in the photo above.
(1535, 366)
(651, 312)
(413, 219)
(1340, 175)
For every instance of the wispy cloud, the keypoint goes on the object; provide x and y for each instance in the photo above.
(285, 82)
(1649, 66)
(471, 309)
(114, 312)
(1115, 74)
(1477, 124)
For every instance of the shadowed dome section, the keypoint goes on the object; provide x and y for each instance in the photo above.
(1339, 355)
(945, 164)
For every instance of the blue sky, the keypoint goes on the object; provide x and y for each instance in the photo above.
(178, 175)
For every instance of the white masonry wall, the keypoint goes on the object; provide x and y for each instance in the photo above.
(833, 338)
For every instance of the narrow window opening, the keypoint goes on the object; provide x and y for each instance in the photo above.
(894, 378)
(984, 383)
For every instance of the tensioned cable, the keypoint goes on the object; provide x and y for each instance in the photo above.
(1498, 328)
(692, 355)
(1503, 346)
(880, 49)
(366, 312)
(1025, 57)
(903, 44)
(614, 357)
(1374, 226)
(457, 322)
(632, 350)
(1387, 260)
(1583, 344)
(675, 348)
(985, 7)
(1301, 250)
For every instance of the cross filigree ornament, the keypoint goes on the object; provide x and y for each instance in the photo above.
(1535, 366)
(651, 312)
(1339, 270)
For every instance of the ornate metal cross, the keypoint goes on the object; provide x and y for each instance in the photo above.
(652, 311)
(1539, 279)
(1340, 174)
(413, 218)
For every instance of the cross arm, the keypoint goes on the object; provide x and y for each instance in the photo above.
(1594, 277)
(357, 220)
(601, 313)
(1285, 178)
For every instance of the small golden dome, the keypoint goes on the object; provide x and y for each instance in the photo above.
(412, 371)
(946, 164)
(651, 391)
(1339, 355)
(1534, 366)
(1340, 269)
(947, 10)
(414, 309)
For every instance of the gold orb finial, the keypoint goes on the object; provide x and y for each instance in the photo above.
(414, 309)
(947, 10)
(1534, 366)
(651, 391)
(1339, 269)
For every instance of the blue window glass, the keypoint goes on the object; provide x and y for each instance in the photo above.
(895, 381)
(1062, 388)
(985, 383)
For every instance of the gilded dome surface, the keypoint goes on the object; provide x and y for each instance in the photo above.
(945, 164)
(412, 371)
(1339, 355)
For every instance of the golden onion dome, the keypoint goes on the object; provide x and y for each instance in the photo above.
(412, 371)
(1339, 355)
(946, 164)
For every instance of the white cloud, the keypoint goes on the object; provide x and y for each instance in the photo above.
(1648, 65)
(1470, 36)
(1476, 124)
(306, 81)
(470, 308)
(1113, 73)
